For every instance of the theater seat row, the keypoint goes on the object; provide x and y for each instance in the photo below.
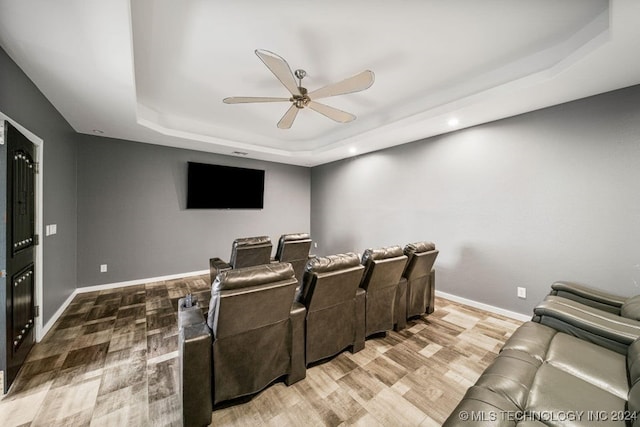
(249, 251)
(417, 269)
(263, 324)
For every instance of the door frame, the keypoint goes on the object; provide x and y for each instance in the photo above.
(39, 158)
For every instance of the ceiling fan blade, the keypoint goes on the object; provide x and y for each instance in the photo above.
(247, 99)
(359, 82)
(280, 69)
(332, 113)
(287, 120)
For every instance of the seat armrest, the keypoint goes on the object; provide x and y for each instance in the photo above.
(589, 296)
(297, 318)
(588, 323)
(432, 292)
(361, 308)
(216, 265)
(400, 308)
(194, 354)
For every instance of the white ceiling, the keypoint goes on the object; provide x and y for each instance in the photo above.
(156, 71)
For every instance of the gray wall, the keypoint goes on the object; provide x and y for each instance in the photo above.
(21, 100)
(545, 196)
(132, 215)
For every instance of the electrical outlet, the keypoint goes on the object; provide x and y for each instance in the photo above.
(103, 268)
(315, 245)
(522, 292)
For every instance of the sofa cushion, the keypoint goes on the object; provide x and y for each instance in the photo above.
(531, 338)
(591, 363)
(631, 308)
(511, 375)
(555, 391)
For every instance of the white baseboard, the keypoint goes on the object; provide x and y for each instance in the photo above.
(107, 286)
(47, 326)
(490, 308)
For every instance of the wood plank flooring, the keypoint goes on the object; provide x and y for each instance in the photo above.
(111, 360)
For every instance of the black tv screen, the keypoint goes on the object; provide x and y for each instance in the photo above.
(224, 187)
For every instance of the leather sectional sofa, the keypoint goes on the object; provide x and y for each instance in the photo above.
(572, 364)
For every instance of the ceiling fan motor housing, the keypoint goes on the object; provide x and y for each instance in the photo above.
(301, 100)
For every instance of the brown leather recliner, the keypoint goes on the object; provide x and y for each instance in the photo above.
(294, 248)
(256, 332)
(335, 305)
(420, 278)
(381, 280)
(245, 252)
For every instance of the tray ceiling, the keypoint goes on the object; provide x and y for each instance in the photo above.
(157, 71)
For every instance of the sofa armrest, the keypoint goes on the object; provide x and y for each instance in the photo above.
(400, 309)
(194, 353)
(588, 296)
(588, 323)
(361, 308)
(217, 265)
(297, 318)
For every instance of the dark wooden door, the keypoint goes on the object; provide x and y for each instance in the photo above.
(21, 242)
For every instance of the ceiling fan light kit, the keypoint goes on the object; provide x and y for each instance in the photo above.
(300, 97)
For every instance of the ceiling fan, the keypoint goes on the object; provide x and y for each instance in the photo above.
(300, 98)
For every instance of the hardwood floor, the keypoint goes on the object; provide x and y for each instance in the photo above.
(111, 360)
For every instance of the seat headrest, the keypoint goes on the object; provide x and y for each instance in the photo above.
(382, 253)
(332, 263)
(251, 241)
(419, 247)
(253, 276)
(295, 236)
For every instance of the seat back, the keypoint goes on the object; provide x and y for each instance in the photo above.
(249, 314)
(267, 289)
(294, 248)
(329, 292)
(250, 251)
(418, 272)
(383, 269)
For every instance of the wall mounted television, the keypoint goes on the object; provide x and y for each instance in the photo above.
(224, 187)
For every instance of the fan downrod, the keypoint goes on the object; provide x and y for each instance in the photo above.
(300, 101)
